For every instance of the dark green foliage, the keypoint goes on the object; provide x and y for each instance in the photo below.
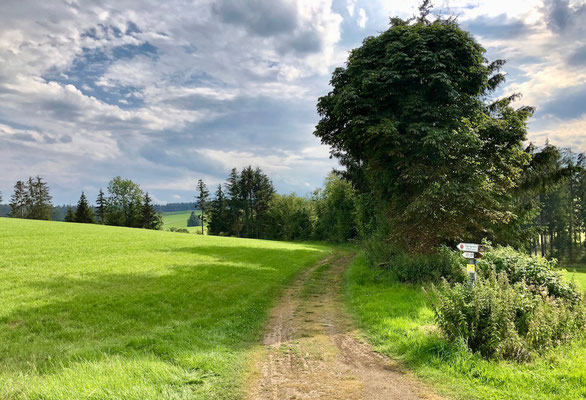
(407, 119)
(70, 216)
(193, 220)
(290, 218)
(335, 210)
(242, 210)
(101, 206)
(178, 230)
(538, 273)
(503, 320)
(418, 267)
(519, 305)
(83, 212)
(18, 201)
(202, 201)
(31, 200)
(219, 221)
(124, 203)
(149, 217)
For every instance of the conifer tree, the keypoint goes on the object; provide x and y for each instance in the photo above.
(70, 216)
(84, 213)
(218, 215)
(202, 200)
(38, 199)
(101, 207)
(193, 220)
(18, 201)
(149, 217)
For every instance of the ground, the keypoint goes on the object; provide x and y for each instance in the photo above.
(312, 350)
(98, 312)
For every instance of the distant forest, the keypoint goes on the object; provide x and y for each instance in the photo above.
(58, 213)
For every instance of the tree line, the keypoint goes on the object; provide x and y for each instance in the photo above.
(125, 204)
(246, 205)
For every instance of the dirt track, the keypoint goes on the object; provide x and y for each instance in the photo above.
(311, 350)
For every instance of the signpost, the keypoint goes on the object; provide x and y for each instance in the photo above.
(470, 252)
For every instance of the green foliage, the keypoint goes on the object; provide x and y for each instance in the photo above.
(110, 313)
(193, 220)
(149, 217)
(202, 201)
(518, 305)
(124, 203)
(101, 206)
(219, 214)
(31, 200)
(502, 320)
(418, 267)
(290, 218)
(83, 212)
(407, 119)
(539, 274)
(70, 216)
(397, 320)
(179, 230)
(335, 210)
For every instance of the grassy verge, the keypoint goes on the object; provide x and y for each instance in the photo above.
(96, 312)
(396, 320)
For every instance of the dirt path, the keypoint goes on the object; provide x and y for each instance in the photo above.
(311, 350)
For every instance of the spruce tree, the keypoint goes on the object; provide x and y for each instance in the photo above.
(18, 201)
(218, 214)
(84, 213)
(193, 220)
(70, 216)
(202, 200)
(101, 207)
(38, 200)
(149, 217)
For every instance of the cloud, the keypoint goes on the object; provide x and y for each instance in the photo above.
(560, 15)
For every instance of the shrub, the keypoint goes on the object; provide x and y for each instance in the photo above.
(537, 272)
(444, 263)
(179, 230)
(510, 313)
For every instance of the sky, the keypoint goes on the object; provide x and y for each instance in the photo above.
(169, 92)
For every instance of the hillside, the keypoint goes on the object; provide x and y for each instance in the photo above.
(99, 312)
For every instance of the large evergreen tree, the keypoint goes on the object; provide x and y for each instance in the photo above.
(101, 205)
(149, 217)
(83, 212)
(408, 120)
(18, 201)
(202, 201)
(70, 216)
(218, 214)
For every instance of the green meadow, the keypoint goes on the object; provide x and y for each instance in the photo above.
(98, 312)
(396, 320)
(178, 219)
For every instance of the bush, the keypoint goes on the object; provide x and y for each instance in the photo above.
(444, 263)
(510, 313)
(179, 230)
(537, 272)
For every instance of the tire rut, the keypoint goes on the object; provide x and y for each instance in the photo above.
(311, 349)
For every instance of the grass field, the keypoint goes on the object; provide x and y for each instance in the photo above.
(178, 219)
(96, 312)
(397, 321)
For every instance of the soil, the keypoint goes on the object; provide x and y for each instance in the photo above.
(311, 348)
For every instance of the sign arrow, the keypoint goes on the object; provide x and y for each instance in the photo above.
(473, 247)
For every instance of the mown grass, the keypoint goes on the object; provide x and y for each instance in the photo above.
(397, 321)
(178, 219)
(96, 312)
